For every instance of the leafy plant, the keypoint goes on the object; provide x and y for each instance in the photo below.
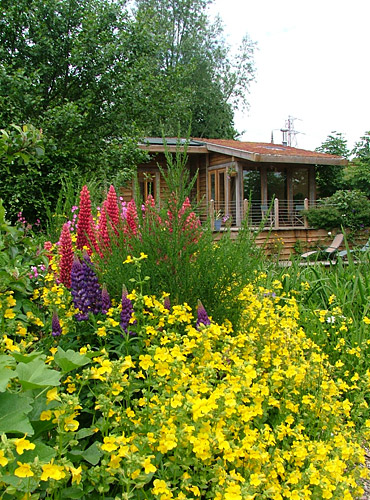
(348, 209)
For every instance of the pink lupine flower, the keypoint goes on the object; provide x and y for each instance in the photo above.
(66, 256)
(111, 207)
(131, 218)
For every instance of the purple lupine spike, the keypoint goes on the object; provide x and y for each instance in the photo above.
(105, 300)
(56, 329)
(167, 303)
(126, 312)
(78, 289)
(93, 297)
(203, 318)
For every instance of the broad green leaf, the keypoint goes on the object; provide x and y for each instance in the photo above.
(82, 433)
(43, 452)
(6, 374)
(27, 358)
(14, 409)
(72, 493)
(91, 454)
(69, 360)
(36, 374)
(6, 360)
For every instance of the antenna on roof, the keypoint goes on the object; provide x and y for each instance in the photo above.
(289, 134)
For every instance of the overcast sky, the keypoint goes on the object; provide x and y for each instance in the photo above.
(313, 64)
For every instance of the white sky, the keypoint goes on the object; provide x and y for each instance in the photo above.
(313, 64)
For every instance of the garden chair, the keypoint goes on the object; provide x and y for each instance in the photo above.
(365, 248)
(329, 251)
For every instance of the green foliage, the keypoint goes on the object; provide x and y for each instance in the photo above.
(348, 209)
(330, 178)
(21, 172)
(19, 251)
(357, 174)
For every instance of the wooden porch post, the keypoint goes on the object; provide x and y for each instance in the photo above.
(245, 209)
(305, 221)
(212, 213)
(276, 213)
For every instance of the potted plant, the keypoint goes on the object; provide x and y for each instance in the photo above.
(218, 220)
(231, 171)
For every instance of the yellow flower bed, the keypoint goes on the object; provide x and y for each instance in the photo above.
(198, 414)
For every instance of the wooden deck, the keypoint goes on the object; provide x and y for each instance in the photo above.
(283, 243)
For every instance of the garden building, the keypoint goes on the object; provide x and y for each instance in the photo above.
(269, 183)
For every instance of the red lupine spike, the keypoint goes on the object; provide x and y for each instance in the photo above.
(66, 253)
(112, 208)
(102, 226)
(85, 231)
(131, 218)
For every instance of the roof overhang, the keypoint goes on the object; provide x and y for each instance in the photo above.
(279, 153)
(275, 157)
(172, 145)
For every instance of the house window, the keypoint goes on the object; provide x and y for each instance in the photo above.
(251, 185)
(217, 188)
(276, 183)
(300, 184)
(147, 186)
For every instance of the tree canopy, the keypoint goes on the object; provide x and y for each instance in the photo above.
(95, 75)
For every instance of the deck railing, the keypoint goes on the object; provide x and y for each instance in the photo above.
(277, 214)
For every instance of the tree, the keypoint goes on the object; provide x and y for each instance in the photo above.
(63, 65)
(329, 178)
(205, 82)
(358, 171)
(95, 76)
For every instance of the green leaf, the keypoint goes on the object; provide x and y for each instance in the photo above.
(43, 452)
(91, 455)
(27, 358)
(7, 361)
(72, 493)
(6, 374)
(82, 433)
(13, 414)
(36, 374)
(69, 360)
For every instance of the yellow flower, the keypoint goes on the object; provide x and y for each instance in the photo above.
(23, 444)
(24, 470)
(135, 474)
(46, 415)
(366, 320)
(70, 424)
(9, 314)
(145, 361)
(128, 260)
(148, 466)
(160, 487)
(52, 395)
(102, 331)
(52, 471)
(3, 459)
(76, 474)
(109, 444)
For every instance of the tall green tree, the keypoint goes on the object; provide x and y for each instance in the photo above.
(358, 171)
(95, 75)
(330, 178)
(205, 83)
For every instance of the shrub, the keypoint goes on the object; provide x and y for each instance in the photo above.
(348, 209)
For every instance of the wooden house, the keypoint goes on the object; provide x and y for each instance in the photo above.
(268, 183)
(231, 172)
